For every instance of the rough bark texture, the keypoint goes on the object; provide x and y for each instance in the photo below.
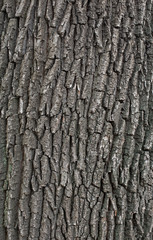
(76, 126)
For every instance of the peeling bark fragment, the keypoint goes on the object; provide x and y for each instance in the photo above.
(11, 36)
(45, 224)
(6, 86)
(81, 11)
(45, 170)
(36, 209)
(79, 48)
(59, 7)
(46, 142)
(9, 7)
(55, 123)
(22, 8)
(65, 22)
(54, 49)
(115, 38)
(20, 48)
(3, 171)
(144, 167)
(125, 78)
(118, 12)
(30, 139)
(49, 12)
(30, 15)
(72, 74)
(71, 98)
(41, 41)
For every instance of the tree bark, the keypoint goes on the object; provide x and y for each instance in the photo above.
(76, 126)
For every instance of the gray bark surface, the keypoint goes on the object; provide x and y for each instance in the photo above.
(76, 119)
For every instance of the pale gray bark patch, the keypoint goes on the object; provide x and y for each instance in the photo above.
(76, 119)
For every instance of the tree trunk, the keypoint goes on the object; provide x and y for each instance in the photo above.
(76, 126)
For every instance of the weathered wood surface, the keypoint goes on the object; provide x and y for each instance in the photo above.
(76, 126)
